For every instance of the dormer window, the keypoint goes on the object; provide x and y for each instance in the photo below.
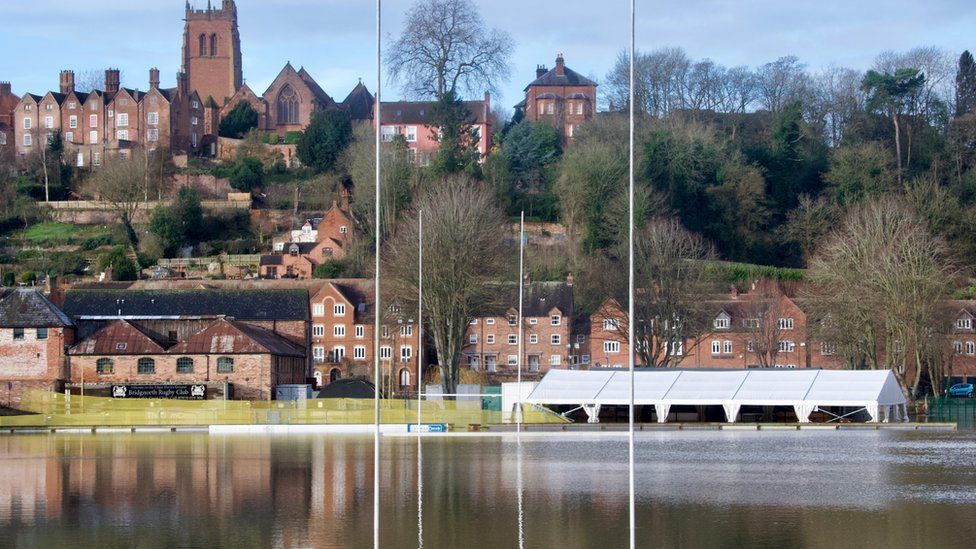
(293, 250)
(964, 323)
(343, 230)
(555, 320)
(722, 322)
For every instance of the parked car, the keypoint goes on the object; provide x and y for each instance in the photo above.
(961, 390)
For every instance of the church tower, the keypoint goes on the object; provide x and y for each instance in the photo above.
(212, 51)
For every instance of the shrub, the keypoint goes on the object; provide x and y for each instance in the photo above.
(332, 268)
(247, 174)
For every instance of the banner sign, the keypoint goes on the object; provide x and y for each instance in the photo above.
(170, 392)
(426, 428)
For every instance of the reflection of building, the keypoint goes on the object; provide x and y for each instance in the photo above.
(252, 339)
(33, 337)
(561, 97)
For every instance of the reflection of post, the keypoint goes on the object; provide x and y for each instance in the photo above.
(518, 488)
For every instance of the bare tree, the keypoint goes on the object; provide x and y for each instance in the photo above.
(781, 82)
(669, 311)
(399, 175)
(877, 285)
(836, 99)
(445, 47)
(464, 250)
(120, 183)
(763, 311)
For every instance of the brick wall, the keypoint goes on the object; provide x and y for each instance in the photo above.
(491, 338)
(31, 363)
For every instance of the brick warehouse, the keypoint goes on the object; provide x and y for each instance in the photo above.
(252, 340)
(33, 338)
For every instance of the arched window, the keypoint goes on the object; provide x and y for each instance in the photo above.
(184, 365)
(104, 366)
(146, 366)
(203, 45)
(335, 375)
(225, 365)
(404, 378)
(213, 45)
(318, 378)
(287, 106)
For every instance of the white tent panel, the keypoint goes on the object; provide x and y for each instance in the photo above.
(775, 387)
(705, 386)
(647, 389)
(570, 387)
(855, 388)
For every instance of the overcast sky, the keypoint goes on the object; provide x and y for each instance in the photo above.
(334, 39)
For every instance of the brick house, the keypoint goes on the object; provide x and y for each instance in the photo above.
(253, 360)
(961, 363)
(319, 240)
(33, 337)
(343, 316)
(8, 104)
(201, 324)
(560, 96)
(412, 120)
(491, 342)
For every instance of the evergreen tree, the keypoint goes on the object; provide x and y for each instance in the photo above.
(966, 85)
(458, 150)
(240, 120)
(326, 136)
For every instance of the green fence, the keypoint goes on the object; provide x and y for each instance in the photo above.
(958, 410)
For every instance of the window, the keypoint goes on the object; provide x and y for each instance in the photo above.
(411, 133)
(533, 338)
(123, 102)
(580, 338)
(360, 331)
(585, 359)
(964, 323)
(716, 347)
(80, 162)
(153, 118)
(384, 332)
(69, 137)
(611, 346)
(287, 106)
(555, 339)
(512, 320)
(93, 137)
(751, 323)
(111, 113)
(193, 139)
(146, 366)
(338, 353)
(339, 310)
(18, 333)
(489, 321)
(72, 122)
(27, 108)
(386, 352)
(404, 378)
(474, 322)
(184, 365)
(122, 120)
(339, 330)
(542, 107)
(533, 321)
(318, 330)
(784, 323)
(957, 347)
(49, 121)
(555, 320)
(318, 309)
(3, 138)
(193, 120)
(152, 134)
(104, 366)
(828, 349)
(27, 140)
(318, 353)
(343, 229)
(555, 360)
(412, 155)
(610, 325)
(203, 45)
(721, 323)
(490, 362)
(406, 330)
(48, 107)
(473, 338)
(213, 45)
(490, 339)
(96, 159)
(970, 348)
(512, 360)
(677, 349)
(387, 133)
(196, 104)
(92, 120)
(512, 339)
(27, 123)
(406, 352)
(786, 346)
(727, 347)
(550, 107)
(122, 135)
(579, 108)
(359, 352)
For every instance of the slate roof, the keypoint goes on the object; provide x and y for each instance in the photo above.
(255, 305)
(568, 78)
(359, 103)
(28, 308)
(316, 89)
(538, 299)
(419, 112)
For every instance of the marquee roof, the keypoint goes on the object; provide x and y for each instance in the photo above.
(720, 387)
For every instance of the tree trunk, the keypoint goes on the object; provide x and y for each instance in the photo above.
(894, 118)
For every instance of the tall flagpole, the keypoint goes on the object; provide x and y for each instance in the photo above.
(630, 287)
(521, 283)
(376, 289)
(420, 365)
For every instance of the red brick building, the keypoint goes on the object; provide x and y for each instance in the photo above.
(343, 316)
(561, 97)
(8, 104)
(319, 240)
(33, 337)
(212, 52)
(491, 342)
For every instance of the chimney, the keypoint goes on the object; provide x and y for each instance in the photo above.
(560, 65)
(5, 88)
(540, 71)
(67, 82)
(112, 81)
(153, 78)
(181, 83)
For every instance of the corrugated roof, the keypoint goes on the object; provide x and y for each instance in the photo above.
(118, 337)
(239, 304)
(231, 337)
(28, 308)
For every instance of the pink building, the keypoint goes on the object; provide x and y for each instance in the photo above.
(412, 120)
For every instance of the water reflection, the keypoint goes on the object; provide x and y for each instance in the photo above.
(694, 489)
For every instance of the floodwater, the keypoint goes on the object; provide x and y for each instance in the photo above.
(706, 489)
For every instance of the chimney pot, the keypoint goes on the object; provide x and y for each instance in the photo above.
(560, 64)
(67, 82)
(112, 81)
(153, 78)
(540, 71)
(4, 88)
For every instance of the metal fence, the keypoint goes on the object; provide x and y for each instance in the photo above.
(958, 410)
(58, 410)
